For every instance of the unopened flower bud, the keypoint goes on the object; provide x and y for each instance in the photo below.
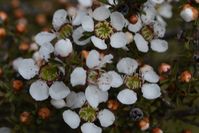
(144, 124)
(189, 13)
(185, 76)
(44, 113)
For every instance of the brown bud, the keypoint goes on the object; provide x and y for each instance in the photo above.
(185, 76)
(164, 68)
(41, 19)
(17, 85)
(3, 16)
(187, 131)
(21, 27)
(44, 113)
(84, 54)
(15, 3)
(24, 46)
(156, 130)
(144, 123)
(2, 32)
(19, 13)
(133, 19)
(113, 104)
(25, 117)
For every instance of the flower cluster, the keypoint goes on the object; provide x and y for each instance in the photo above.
(75, 75)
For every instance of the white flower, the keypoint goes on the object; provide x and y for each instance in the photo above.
(90, 128)
(189, 13)
(127, 97)
(71, 118)
(98, 20)
(27, 68)
(151, 91)
(127, 66)
(78, 76)
(58, 90)
(63, 48)
(58, 103)
(106, 118)
(39, 90)
(95, 96)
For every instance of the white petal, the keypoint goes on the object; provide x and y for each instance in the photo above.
(78, 76)
(118, 40)
(151, 76)
(149, 15)
(165, 10)
(135, 27)
(70, 99)
(117, 20)
(63, 47)
(90, 128)
(5, 130)
(159, 45)
(98, 43)
(58, 90)
(151, 91)
(106, 59)
(127, 97)
(93, 59)
(59, 18)
(77, 34)
(79, 101)
(94, 96)
(145, 69)
(104, 82)
(157, 1)
(159, 29)
(71, 118)
(117, 80)
(45, 50)
(77, 20)
(101, 13)
(16, 63)
(141, 43)
(87, 24)
(86, 3)
(106, 118)
(58, 103)
(127, 66)
(44, 37)
(27, 68)
(113, 2)
(39, 90)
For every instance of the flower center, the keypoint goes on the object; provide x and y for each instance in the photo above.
(49, 72)
(65, 31)
(103, 30)
(147, 33)
(93, 77)
(133, 82)
(88, 114)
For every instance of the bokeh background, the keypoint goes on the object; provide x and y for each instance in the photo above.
(25, 18)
